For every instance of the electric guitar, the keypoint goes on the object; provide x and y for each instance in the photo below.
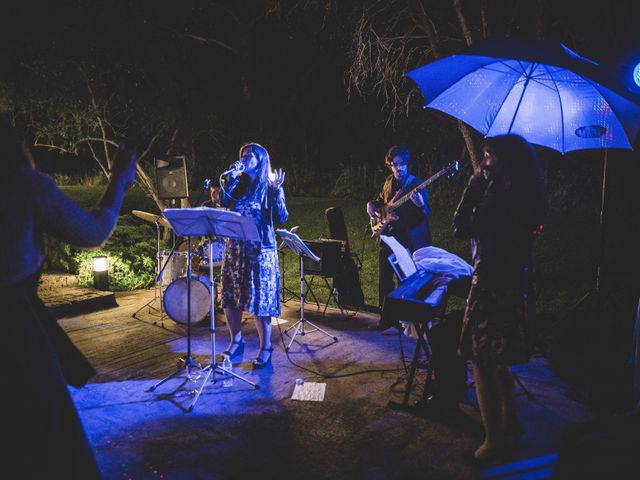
(386, 214)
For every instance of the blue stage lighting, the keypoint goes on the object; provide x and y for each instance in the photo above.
(636, 74)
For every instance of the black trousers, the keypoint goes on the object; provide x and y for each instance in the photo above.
(450, 371)
(386, 282)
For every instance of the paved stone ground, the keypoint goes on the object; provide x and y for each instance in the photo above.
(65, 297)
(144, 424)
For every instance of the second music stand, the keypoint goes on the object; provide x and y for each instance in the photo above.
(295, 243)
(204, 222)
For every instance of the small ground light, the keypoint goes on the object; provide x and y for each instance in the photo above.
(100, 273)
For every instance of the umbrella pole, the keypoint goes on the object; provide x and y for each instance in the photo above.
(599, 292)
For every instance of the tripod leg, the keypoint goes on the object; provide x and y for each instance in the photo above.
(321, 330)
(310, 291)
(230, 373)
(412, 373)
(296, 327)
(148, 304)
(174, 374)
(199, 391)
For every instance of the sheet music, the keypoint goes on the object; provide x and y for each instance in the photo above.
(309, 391)
(295, 243)
(403, 257)
(201, 221)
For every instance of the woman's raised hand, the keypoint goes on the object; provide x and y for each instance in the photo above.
(278, 180)
(124, 165)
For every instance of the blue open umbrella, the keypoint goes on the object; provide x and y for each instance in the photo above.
(541, 90)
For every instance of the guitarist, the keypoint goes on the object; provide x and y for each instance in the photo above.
(411, 228)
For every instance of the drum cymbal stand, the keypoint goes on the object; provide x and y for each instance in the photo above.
(214, 367)
(188, 363)
(157, 287)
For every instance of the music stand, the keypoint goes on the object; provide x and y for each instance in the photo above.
(294, 242)
(284, 289)
(199, 222)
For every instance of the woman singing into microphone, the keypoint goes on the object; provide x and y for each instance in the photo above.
(250, 273)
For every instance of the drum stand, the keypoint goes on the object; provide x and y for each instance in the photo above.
(158, 283)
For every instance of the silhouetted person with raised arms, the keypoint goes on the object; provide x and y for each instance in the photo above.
(44, 437)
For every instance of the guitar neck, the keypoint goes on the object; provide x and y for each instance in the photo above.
(424, 184)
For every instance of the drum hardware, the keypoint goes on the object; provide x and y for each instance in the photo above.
(158, 220)
(198, 222)
(171, 271)
(202, 251)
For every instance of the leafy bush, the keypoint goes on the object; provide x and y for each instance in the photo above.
(122, 274)
(86, 180)
(131, 251)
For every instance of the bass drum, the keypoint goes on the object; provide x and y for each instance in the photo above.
(175, 299)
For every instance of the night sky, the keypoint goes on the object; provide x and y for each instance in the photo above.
(220, 73)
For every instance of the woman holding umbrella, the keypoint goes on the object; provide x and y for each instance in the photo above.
(499, 211)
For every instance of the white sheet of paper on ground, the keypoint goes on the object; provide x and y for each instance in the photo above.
(278, 321)
(309, 391)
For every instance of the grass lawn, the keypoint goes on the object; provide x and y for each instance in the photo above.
(566, 254)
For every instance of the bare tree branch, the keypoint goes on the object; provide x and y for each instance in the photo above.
(52, 147)
(210, 41)
(466, 31)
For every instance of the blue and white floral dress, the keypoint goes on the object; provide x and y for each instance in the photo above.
(250, 270)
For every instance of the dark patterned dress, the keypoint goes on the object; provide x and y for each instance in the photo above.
(250, 271)
(495, 321)
(494, 325)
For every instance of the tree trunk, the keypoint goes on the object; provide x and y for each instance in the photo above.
(484, 16)
(466, 31)
(464, 129)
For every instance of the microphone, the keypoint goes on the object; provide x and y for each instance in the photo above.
(236, 167)
(207, 184)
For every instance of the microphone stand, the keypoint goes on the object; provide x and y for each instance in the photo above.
(207, 184)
